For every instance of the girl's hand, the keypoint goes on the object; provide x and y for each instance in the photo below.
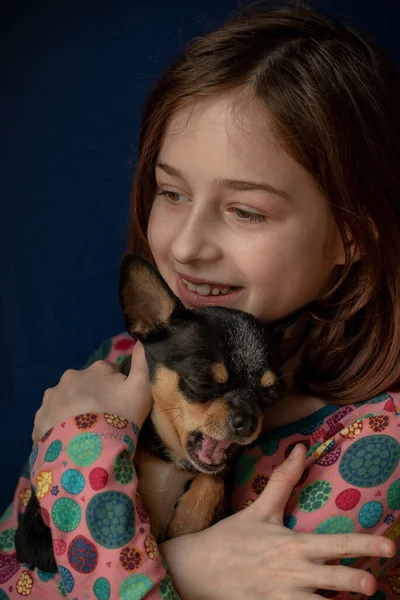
(252, 555)
(99, 388)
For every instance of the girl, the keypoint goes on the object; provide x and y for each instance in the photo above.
(268, 180)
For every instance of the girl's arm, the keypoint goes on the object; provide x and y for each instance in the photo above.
(86, 484)
(353, 486)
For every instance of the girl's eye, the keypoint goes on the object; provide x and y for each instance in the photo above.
(245, 215)
(171, 196)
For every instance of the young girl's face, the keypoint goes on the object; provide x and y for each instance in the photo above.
(233, 211)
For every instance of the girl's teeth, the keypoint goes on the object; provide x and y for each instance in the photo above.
(204, 289)
(191, 286)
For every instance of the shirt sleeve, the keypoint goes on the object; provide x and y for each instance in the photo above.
(352, 485)
(86, 484)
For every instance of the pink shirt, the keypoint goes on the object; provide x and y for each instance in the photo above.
(87, 487)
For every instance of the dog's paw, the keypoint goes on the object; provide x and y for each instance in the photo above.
(189, 517)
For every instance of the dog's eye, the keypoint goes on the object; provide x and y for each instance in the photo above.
(199, 389)
(269, 394)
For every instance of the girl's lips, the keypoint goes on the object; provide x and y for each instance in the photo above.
(194, 300)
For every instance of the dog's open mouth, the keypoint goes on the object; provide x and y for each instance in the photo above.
(207, 453)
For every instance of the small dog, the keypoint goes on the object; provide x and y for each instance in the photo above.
(213, 372)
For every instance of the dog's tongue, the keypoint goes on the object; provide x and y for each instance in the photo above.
(212, 452)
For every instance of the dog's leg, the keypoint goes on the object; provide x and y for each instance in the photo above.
(198, 506)
(160, 486)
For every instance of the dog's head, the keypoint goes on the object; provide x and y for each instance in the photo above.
(211, 369)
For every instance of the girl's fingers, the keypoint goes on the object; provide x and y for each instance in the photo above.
(347, 545)
(138, 364)
(340, 579)
(271, 503)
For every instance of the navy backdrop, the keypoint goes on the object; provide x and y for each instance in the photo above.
(73, 76)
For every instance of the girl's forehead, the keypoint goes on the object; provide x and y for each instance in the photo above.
(227, 137)
(228, 115)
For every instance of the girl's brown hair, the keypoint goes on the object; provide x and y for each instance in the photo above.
(334, 98)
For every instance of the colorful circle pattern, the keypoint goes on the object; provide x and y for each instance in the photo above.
(73, 481)
(314, 496)
(7, 538)
(394, 495)
(244, 469)
(370, 514)
(45, 575)
(130, 558)
(123, 468)
(135, 587)
(86, 421)
(270, 448)
(66, 514)
(131, 446)
(9, 566)
(33, 456)
(53, 451)
(110, 518)
(98, 478)
(102, 589)
(67, 578)
(348, 499)
(82, 555)
(167, 591)
(336, 524)
(329, 459)
(84, 449)
(370, 461)
(290, 521)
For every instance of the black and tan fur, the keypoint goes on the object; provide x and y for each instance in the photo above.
(213, 371)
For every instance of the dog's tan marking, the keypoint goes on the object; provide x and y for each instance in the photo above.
(168, 410)
(268, 379)
(197, 506)
(210, 418)
(175, 416)
(220, 372)
(161, 484)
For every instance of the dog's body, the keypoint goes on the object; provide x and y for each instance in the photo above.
(212, 376)
(213, 371)
(177, 497)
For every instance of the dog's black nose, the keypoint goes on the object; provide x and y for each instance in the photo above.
(243, 424)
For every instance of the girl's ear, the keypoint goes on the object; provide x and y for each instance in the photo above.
(145, 298)
(355, 252)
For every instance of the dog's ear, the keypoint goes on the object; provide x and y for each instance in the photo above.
(145, 298)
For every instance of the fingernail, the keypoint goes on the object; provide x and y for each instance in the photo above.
(365, 584)
(387, 549)
(295, 452)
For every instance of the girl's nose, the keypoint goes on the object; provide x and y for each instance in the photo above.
(196, 240)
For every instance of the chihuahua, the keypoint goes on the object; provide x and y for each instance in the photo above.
(213, 372)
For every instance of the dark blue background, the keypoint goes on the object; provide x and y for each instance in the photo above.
(73, 76)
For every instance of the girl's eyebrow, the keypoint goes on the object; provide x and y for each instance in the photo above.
(232, 184)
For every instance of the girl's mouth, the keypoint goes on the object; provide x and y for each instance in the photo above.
(205, 289)
(196, 295)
